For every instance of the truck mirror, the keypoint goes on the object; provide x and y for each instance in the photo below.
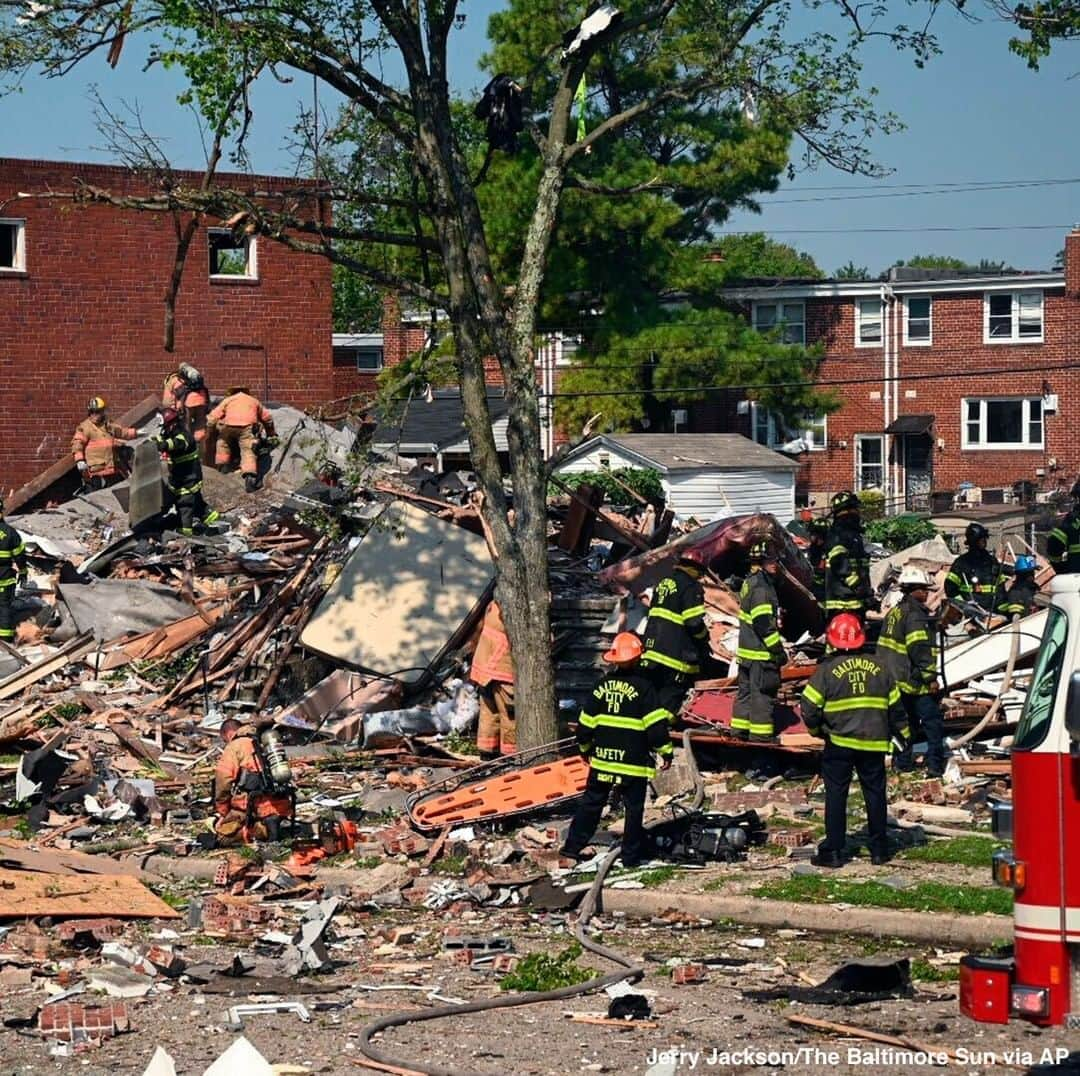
(1072, 707)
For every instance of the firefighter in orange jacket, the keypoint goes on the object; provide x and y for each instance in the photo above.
(185, 391)
(96, 446)
(492, 671)
(235, 420)
(240, 783)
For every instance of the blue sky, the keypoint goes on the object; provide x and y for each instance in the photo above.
(975, 114)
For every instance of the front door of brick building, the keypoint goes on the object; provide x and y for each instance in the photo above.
(918, 458)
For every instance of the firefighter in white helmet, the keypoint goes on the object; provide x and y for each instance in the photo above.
(908, 647)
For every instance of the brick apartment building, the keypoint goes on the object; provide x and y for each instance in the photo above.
(82, 309)
(945, 378)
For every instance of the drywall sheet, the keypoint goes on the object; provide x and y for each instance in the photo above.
(401, 594)
(984, 653)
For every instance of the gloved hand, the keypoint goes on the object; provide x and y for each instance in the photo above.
(158, 442)
(273, 441)
(81, 464)
(24, 579)
(665, 762)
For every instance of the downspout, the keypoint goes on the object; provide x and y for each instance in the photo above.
(886, 467)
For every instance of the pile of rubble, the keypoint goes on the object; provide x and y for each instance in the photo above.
(133, 648)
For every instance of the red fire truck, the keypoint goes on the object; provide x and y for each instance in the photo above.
(1040, 982)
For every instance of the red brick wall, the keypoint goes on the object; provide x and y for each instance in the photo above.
(87, 316)
(957, 350)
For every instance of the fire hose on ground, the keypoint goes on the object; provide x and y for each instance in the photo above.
(628, 970)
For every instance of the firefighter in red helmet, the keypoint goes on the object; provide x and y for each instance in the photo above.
(853, 702)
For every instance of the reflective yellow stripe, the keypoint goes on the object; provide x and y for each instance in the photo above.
(693, 611)
(838, 603)
(759, 730)
(891, 644)
(810, 692)
(860, 745)
(654, 656)
(1056, 533)
(864, 702)
(760, 610)
(621, 768)
(666, 614)
(772, 640)
(6, 554)
(740, 723)
(916, 636)
(615, 721)
(187, 459)
(587, 720)
(746, 654)
(7, 582)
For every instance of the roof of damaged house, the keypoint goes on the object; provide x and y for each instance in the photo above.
(439, 426)
(690, 451)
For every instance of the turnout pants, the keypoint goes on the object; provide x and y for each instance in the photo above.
(7, 613)
(598, 789)
(838, 764)
(236, 441)
(924, 719)
(192, 510)
(671, 686)
(758, 686)
(496, 731)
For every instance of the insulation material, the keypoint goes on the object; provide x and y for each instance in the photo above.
(401, 594)
(931, 555)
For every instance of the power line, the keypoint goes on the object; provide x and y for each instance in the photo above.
(926, 183)
(915, 193)
(905, 378)
(907, 228)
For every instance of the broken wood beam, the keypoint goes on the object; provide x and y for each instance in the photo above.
(74, 650)
(851, 1031)
(630, 536)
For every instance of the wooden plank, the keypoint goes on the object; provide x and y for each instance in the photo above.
(851, 1031)
(28, 894)
(18, 854)
(75, 650)
(38, 486)
(161, 642)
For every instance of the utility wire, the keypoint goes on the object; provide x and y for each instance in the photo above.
(907, 228)
(916, 192)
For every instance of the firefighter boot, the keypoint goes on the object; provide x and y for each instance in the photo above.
(251, 482)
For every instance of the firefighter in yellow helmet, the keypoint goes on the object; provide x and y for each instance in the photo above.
(96, 446)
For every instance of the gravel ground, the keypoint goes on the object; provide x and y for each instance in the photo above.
(693, 1020)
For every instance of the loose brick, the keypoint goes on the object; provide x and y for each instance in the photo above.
(71, 1022)
(687, 974)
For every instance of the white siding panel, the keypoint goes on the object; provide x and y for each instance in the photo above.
(590, 461)
(713, 494)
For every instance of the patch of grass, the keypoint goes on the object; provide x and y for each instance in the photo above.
(366, 863)
(22, 828)
(547, 971)
(173, 900)
(926, 972)
(455, 866)
(777, 850)
(924, 897)
(719, 882)
(656, 876)
(9, 760)
(968, 851)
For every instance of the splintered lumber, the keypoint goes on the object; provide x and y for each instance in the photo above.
(985, 767)
(161, 642)
(18, 724)
(851, 1031)
(630, 536)
(28, 894)
(19, 681)
(18, 855)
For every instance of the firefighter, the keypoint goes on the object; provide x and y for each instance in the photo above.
(185, 391)
(1019, 599)
(817, 553)
(12, 572)
(240, 419)
(247, 802)
(623, 724)
(676, 638)
(761, 650)
(1063, 543)
(853, 703)
(847, 564)
(492, 670)
(975, 576)
(184, 483)
(96, 446)
(908, 648)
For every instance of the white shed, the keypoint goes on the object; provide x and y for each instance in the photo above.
(705, 475)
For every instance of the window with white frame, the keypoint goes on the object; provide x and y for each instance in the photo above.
(989, 422)
(1013, 317)
(365, 358)
(918, 314)
(868, 323)
(770, 430)
(231, 257)
(12, 245)
(790, 318)
(869, 461)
